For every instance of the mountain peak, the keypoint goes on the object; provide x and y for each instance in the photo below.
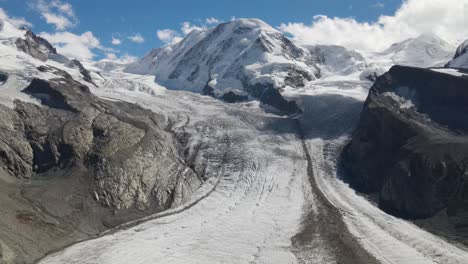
(251, 23)
(462, 49)
(460, 60)
(425, 50)
(238, 59)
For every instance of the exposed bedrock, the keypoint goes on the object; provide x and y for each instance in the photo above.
(411, 145)
(73, 163)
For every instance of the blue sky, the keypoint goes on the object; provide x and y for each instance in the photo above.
(119, 19)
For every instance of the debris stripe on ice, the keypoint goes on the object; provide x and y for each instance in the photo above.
(389, 239)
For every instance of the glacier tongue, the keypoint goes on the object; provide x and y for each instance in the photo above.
(260, 202)
(254, 210)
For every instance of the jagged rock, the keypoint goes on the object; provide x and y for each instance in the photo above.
(267, 94)
(76, 165)
(460, 60)
(134, 162)
(86, 74)
(41, 49)
(411, 145)
(461, 50)
(35, 46)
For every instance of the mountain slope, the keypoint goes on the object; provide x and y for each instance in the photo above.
(410, 146)
(337, 60)
(72, 164)
(460, 60)
(427, 50)
(234, 61)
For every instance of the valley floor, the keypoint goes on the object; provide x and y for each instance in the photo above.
(273, 195)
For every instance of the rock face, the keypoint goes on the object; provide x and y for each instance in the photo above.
(460, 60)
(39, 48)
(117, 142)
(76, 165)
(35, 46)
(411, 145)
(234, 58)
(76, 64)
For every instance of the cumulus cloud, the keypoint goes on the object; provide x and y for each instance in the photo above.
(126, 58)
(75, 46)
(15, 21)
(116, 41)
(170, 36)
(187, 27)
(57, 13)
(137, 38)
(446, 18)
(60, 22)
(212, 20)
(378, 5)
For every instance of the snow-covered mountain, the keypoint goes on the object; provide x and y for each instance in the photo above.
(235, 60)
(426, 50)
(21, 49)
(337, 60)
(212, 165)
(460, 60)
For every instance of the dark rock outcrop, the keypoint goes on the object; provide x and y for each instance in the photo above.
(267, 94)
(86, 74)
(461, 50)
(76, 161)
(35, 46)
(411, 145)
(3, 77)
(460, 60)
(117, 142)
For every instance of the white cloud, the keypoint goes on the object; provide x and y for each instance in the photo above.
(65, 8)
(168, 36)
(15, 21)
(116, 41)
(75, 46)
(122, 59)
(378, 5)
(212, 20)
(111, 56)
(57, 13)
(446, 18)
(137, 38)
(187, 27)
(60, 22)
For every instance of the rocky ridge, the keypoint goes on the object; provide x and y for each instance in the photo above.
(117, 156)
(460, 60)
(411, 145)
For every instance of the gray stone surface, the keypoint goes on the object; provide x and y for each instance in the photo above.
(35, 46)
(411, 145)
(78, 165)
